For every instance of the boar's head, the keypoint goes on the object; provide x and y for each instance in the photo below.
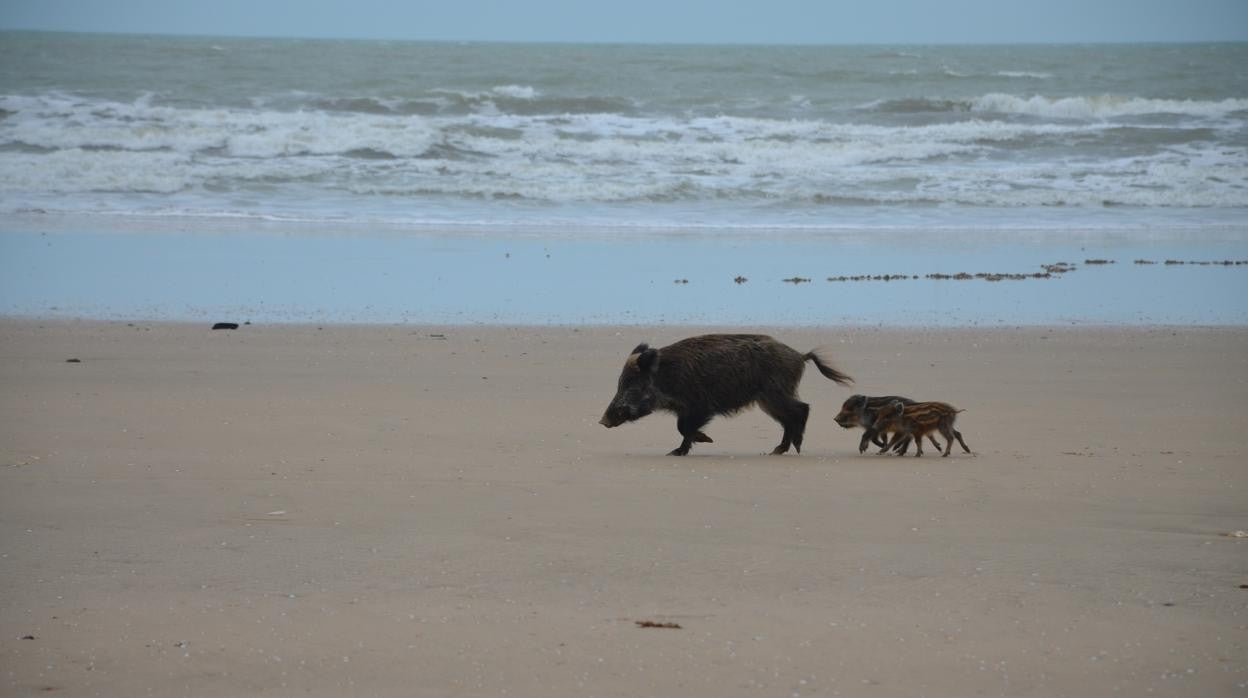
(636, 395)
(853, 413)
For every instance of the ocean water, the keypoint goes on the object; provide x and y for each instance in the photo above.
(412, 135)
(187, 178)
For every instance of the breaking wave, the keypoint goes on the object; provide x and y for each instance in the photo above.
(1085, 108)
(1104, 106)
(514, 143)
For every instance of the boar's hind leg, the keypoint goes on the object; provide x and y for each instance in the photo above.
(792, 414)
(690, 427)
(958, 434)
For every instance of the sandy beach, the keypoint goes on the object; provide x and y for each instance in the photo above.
(390, 478)
(418, 510)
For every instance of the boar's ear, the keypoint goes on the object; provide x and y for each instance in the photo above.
(649, 360)
(640, 348)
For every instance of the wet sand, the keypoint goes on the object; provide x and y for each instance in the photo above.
(895, 278)
(422, 510)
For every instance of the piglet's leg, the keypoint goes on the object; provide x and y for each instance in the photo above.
(869, 436)
(897, 439)
(901, 448)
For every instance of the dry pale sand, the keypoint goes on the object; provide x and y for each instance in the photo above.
(434, 511)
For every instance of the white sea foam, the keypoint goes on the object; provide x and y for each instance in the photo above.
(75, 170)
(62, 123)
(516, 91)
(1032, 75)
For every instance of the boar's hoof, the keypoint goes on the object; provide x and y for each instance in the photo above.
(779, 450)
(679, 451)
(703, 438)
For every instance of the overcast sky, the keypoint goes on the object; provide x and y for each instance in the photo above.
(656, 21)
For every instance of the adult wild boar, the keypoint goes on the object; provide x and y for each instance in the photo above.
(714, 374)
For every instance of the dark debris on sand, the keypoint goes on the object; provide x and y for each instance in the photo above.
(1050, 271)
(1207, 263)
(877, 277)
(654, 624)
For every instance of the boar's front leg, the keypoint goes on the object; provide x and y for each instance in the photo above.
(690, 427)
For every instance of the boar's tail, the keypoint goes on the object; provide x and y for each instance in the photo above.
(827, 370)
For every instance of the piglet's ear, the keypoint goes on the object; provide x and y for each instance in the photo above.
(640, 348)
(649, 360)
(897, 406)
(864, 401)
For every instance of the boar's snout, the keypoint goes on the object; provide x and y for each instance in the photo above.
(619, 413)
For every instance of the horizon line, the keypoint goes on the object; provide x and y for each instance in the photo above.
(618, 42)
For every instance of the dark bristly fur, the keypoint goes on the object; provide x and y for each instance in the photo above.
(861, 411)
(919, 420)
(716, 374)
